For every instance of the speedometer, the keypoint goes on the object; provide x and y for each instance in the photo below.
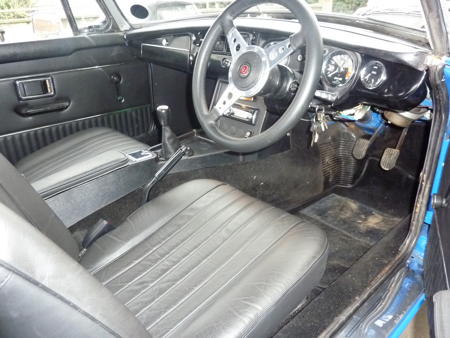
(338, 68)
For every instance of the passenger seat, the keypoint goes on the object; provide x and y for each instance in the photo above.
(77, 158)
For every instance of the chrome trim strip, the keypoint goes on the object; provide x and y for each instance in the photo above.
(117, 15)
(164, 47)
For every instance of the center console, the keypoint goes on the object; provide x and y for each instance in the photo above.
(245, 118)
(117, 178)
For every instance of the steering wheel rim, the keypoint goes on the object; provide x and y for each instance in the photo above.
(309, 36)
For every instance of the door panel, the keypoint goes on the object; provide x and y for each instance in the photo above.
(105, 85)
(437, 254)
(64, 47)
(136, 122)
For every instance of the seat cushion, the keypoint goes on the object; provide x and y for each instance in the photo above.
(207, 260)
(77, 158)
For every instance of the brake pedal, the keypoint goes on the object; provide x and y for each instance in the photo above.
(360, 148)
(390, 155)
(362, 145)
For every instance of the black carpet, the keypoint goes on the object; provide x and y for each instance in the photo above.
(324, 304)
(352, 228)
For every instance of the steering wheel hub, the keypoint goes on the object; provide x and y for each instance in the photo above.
(249, 73)
(244, 70)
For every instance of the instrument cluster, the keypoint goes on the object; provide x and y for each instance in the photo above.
(339, 68)
(342, 68)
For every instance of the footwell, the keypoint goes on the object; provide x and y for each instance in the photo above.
(362, 241)
(352, 229)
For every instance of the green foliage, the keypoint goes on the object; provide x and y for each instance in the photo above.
(8, 9)
(348, 6)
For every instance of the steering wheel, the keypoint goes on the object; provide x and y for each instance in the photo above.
(250, 71)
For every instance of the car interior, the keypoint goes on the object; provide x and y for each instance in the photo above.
(234, 176)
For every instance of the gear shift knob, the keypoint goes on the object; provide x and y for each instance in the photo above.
(163, 113)
(169, 141)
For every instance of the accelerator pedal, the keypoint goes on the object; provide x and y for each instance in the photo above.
(389, 158)
(362, 145)
(391, 155)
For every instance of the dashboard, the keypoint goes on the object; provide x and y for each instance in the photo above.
(359, 66)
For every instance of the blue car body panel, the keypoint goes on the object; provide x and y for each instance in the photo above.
(415, 262)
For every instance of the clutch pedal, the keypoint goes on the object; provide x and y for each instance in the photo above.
(362, 145)
(391, 155)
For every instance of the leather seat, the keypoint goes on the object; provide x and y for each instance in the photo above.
(77, 158)
(203, 260)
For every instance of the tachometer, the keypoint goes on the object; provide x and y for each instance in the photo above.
(338, 68)
(373, 74)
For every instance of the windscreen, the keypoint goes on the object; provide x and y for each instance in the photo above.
(407, 13)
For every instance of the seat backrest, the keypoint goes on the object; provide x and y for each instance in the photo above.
(44, 292)
(18, 195)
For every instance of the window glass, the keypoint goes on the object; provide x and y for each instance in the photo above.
(28, 20)
(88, 15)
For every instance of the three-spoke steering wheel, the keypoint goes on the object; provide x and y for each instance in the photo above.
(250, 69)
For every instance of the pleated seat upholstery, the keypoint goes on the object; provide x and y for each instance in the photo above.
(208, 260)
(77, 158)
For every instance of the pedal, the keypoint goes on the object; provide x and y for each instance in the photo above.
(362, 145)
(360, 148)
(390, 155)
(389, 159)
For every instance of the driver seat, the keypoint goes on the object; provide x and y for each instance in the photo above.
(203, 259)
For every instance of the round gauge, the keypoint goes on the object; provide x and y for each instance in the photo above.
(373, 74)
(338, 68)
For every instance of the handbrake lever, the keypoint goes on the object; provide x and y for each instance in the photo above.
(164, 170)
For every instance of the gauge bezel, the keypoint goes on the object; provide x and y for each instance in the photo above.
(330, 54)
(363, 73)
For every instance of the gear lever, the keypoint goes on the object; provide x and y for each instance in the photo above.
(169, 142)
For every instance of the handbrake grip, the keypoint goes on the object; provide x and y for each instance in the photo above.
(164, 170)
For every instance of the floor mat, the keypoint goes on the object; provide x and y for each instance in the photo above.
(352, 218)
(352, 229)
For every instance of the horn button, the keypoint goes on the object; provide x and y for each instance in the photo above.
(247, 71)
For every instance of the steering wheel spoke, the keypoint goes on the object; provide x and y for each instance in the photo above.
(279, 51)
(235, 40)
(229, 96)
